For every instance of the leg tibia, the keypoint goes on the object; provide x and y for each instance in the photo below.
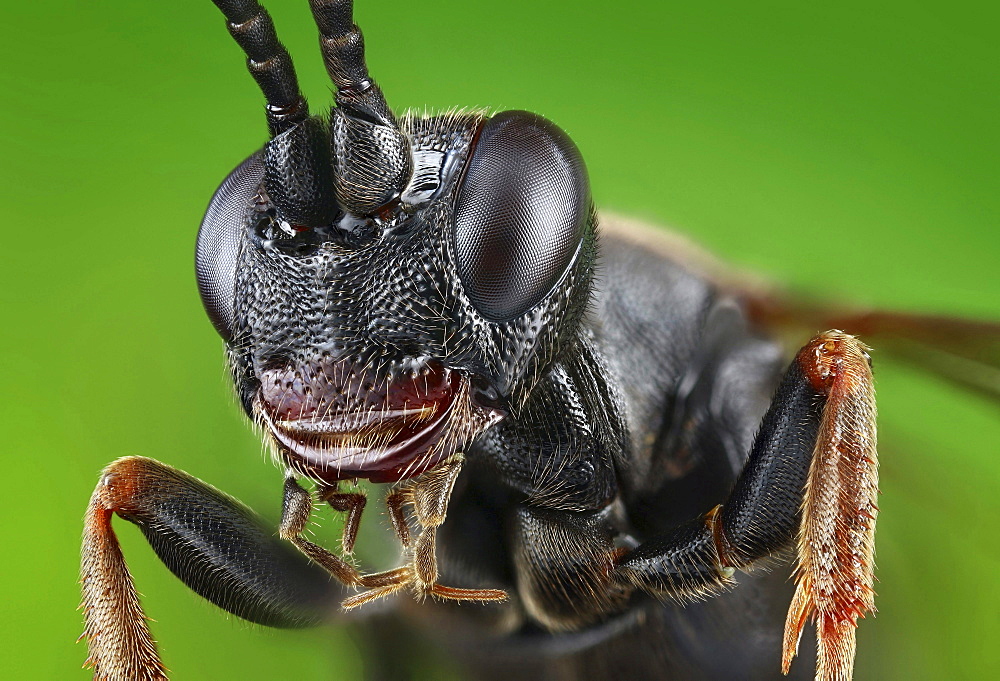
(762, 514)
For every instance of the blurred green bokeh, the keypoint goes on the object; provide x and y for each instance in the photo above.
(848, 149)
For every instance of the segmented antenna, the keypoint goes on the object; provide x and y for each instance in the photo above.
(268, 62)
(298, 174)
(343, 48)
(371, 157)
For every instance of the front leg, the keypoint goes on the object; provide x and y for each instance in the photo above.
(812, 474)
(428, 496)
(352, 505)
(213, 543)
(296, 509)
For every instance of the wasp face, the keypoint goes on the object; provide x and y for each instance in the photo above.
(377, 345)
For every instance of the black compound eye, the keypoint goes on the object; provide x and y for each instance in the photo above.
(520, 215)
(219, 240)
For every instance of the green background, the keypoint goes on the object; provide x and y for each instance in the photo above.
(850, 150)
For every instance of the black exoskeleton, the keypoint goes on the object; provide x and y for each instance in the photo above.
(421, 302)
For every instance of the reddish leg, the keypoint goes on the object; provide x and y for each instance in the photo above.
(212, 542)
(812, 474)
(351, 503)
(397, 514)
(118, 637)
(836, 549)
(429, 495)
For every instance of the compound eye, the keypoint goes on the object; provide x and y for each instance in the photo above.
(520, 215)
(219, 239)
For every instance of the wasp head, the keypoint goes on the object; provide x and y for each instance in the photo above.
(390, 290)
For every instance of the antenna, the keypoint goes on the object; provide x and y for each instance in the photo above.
(371, 157)
(298, 174)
